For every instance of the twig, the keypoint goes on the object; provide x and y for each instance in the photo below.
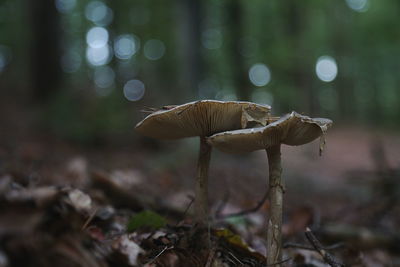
(186, 210)
(188, 206)
(279, 262)
(159, 254)
(222, 204)
(251, 210)
(301, 246)
(233, 256)
(210, 257)
(362, 237)
(89, 219)
(328, 258)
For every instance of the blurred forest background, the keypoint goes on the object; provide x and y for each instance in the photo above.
(88, 67)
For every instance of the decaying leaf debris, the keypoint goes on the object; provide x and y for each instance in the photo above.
(65, 206)
(46, 225)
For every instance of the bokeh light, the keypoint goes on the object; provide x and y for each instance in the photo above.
(211, 39)
(65, 6)
(97, 37)
(326, 68)
(259, 74)
(98, 56)
(125, 46)
(134, 90)
(104, 76)
(358, 5)
(99, 13)
(154, 49)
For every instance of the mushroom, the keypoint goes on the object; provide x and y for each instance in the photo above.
(202, 118)
(292, 129)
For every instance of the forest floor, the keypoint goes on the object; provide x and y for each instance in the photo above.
(64, 204)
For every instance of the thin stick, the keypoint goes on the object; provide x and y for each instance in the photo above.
(328, 258)
(222, 204)
(188, 206)
(233, 256)
(251, 210)
(89, 219)
(210, 257)
(280, 262)
(159, 254)
(186, 210)
(301, 246)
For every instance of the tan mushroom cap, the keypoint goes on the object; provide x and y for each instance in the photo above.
(292, 129)
(202, 118)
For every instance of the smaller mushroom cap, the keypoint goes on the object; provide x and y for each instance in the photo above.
(202, 118)
(292, 129)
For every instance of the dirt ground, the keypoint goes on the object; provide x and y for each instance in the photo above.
(74, 205)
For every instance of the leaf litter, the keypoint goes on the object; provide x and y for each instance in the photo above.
(108, 218)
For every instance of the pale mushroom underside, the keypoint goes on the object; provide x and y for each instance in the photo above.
(292, 129)
(202, 118)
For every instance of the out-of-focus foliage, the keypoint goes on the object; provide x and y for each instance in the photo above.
(146, 219)
(328, 58)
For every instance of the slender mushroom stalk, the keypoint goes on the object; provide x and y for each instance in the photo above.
(201, 188)
(276, 190)
(292, 129)
(202, 118)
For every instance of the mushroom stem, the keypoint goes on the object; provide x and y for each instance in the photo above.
(201, 190)
(274, 235)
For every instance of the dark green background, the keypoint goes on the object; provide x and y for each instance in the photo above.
(288, 36)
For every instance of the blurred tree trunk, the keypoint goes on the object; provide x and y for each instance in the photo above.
(193, 64)
(296, 14)
(375, 111)
(45, 49)
(235, 35)
(114, 29)
(342, 48)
